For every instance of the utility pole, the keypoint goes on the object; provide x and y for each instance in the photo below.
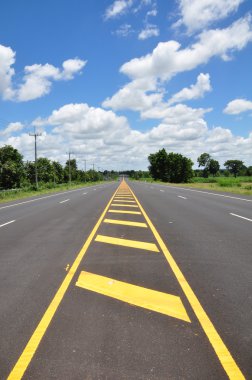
(93, 167)
(69, 167)
(85, 162)
(35, 135)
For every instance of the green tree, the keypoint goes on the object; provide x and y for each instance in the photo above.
(158, 165)
(233, 166)
(11, 167)
(45, 170)
(58, 172)
(172, 167)
(73, 170)
(213, 167)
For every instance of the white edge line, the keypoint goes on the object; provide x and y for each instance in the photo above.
(242, 217)
(206, 192)
(47, 196)
(84, 193)
(180, 196)
(66, 200)
(5, 224)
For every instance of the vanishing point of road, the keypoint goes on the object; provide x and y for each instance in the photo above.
(126, 280)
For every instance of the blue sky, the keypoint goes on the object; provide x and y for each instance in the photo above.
(114, 81)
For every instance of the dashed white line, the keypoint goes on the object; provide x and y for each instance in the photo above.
(84, 193)
(66, 200)
(242, 217)
(162, 190)
(41, 198)
(5, 224)
(180, 196)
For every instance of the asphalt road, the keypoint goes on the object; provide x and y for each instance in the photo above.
(127, 299)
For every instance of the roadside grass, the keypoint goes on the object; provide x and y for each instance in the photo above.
(238, 185)
(14, 194)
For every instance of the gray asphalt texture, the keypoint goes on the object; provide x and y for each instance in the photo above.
(96, 337)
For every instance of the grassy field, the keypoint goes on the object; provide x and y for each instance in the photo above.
(238, 185)
(10, 195)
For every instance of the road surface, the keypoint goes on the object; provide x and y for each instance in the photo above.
(118, 282)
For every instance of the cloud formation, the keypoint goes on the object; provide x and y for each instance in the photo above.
(197, 15)
(37, 80)
(195, 91)
(117, 8)
(150, 30)
(237, 106)
(105, 138)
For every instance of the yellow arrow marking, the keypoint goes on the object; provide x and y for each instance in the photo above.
(127, 243)
(135, 295)
(125, 223)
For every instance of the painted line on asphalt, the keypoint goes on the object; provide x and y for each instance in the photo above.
(161, 190)
(125, 212)
(32, 345)
(160, 302)
(242, 217)
(127, 243)
(125, 223)
(5, 224)
(227, 361)
(66, 200)
(39, 199)
(207, 192)
(118, 200)
(122, 205)
(84, 194)
(180, 196)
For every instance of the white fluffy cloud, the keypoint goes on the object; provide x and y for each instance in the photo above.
(238, 106)
(12, 128)
(169, 59)
(117, 8)
(38, 78)
(105, 138)
(195, 91)
(150, 30)
(197, 15)
(7, 59)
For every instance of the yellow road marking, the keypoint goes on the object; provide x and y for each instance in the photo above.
(127, 243)
(221, 350)
(125, 212)
(125, 223)
(135, 295)
(122, 204)
(124, 200)
(123, 196)
(32, 345)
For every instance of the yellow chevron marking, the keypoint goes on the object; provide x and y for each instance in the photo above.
(135, 295)
(127, 243)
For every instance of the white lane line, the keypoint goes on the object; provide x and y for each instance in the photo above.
(5, 224)
(84, 193)
(206, 192)
(162, 191)
(66, 200)
(94, 189)
(242, 217)
(180, 196)
(47, 196)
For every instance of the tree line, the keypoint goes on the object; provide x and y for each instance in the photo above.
(175, 168)
(16, 173)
